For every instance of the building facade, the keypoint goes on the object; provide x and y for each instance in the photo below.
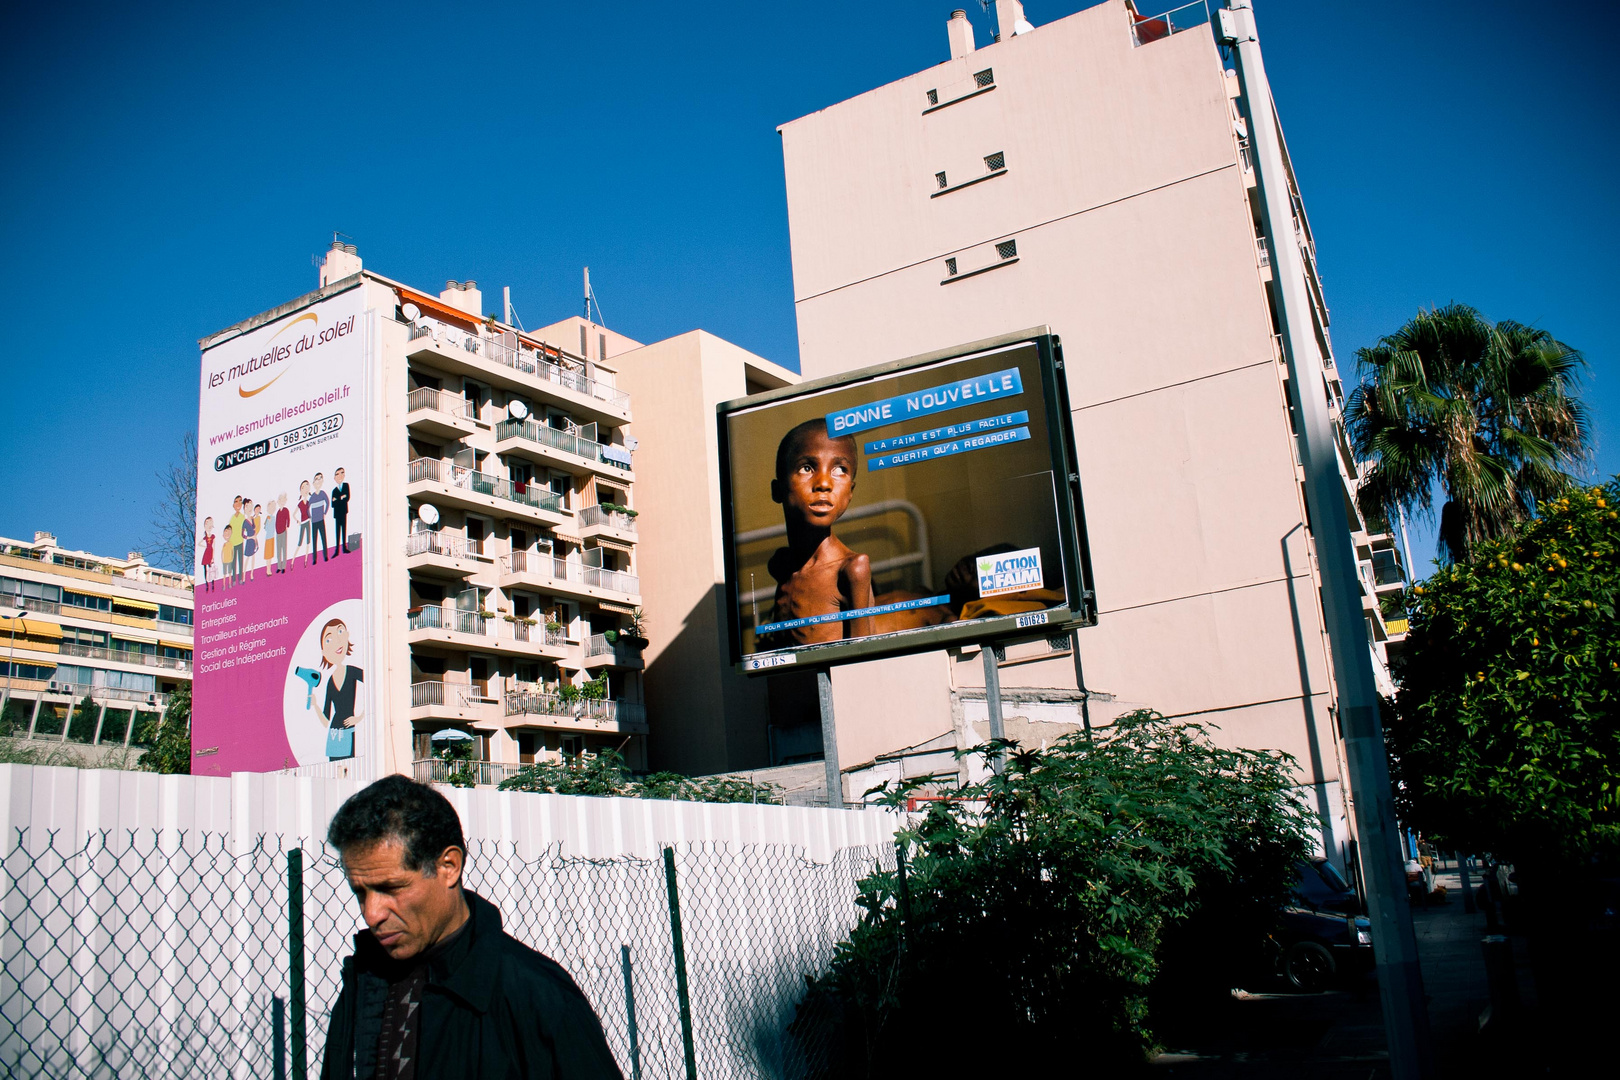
(502, 580)
(1093, 175)
(94, 645)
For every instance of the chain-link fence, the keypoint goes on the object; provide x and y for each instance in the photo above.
(164, 954)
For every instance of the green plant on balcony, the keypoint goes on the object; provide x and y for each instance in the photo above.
(610, 636)
(553, 626)
(616, 508)
(595, 689)
(568, 693)
(637, 630)
(1392, 606)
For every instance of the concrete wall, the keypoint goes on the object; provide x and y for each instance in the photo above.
(1135, 243)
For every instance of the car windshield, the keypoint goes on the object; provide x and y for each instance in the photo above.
(1330, 874)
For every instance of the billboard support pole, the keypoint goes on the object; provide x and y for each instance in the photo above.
(993, 655)
(829, 739)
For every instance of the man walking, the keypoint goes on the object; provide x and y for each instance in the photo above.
(319, 504)
(435, 988)
(283, 523)
(340, 511)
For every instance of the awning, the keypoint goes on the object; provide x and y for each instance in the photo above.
(609, 605)
(614, 545)
(27, 627)
(173, 644)
(138, 605)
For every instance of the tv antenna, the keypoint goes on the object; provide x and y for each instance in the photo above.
(590, 298)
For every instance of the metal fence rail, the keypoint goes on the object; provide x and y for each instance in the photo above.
(160, 954)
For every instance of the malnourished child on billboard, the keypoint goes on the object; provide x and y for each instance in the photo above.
(903, 507)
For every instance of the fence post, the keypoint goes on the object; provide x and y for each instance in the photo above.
(278, 1037)
(680, 965)
(295, 960)
(630, 1012)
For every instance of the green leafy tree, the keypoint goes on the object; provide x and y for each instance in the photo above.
(1505, 734)
(82, 725)
(1054, 894)
(1485, 412)
(168, 738)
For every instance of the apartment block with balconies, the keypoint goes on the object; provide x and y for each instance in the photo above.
(94, 645)
(505, 591)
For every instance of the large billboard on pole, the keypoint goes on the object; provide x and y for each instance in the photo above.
(910, 506)
(283, 637)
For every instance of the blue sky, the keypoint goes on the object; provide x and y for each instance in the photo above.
(170, 171)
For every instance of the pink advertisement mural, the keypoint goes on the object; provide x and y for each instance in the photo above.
(282, 636)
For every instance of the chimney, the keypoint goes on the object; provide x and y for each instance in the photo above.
(464, 296)
(342, 260)
(960, 31)
(1010, 19)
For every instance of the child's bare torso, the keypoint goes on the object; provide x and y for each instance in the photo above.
(834, 579)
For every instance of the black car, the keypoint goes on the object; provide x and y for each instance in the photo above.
(1322, 937)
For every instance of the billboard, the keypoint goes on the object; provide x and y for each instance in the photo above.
(910, 506)
(282, 646)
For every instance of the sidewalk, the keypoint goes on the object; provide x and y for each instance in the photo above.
(1340, 1034)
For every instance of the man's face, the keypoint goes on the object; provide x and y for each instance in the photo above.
(236, 503)
(407, 911)
(318, 479)
(337, 477)
(820, 478)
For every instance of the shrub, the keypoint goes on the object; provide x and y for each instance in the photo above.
(1041, 900)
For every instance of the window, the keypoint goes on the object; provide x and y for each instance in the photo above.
(939, 178)
(601, 347)
(36, 590)
(933, 97)
(1007, 249)
(582, 340)
(170, 613)
(92, 603)
(950, 267)
(27, 671)
(995, 162)
(985, 77)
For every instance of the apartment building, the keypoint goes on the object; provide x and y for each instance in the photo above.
(1093, 174)
(77, 626)
(501, 587)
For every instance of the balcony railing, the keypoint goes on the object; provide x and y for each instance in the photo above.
(440, 618)
(616, 580)
(483, 773)
(538, 634)
(77, 691)
(124, 656)
(605, 711)
(545, 435)
(455, 695)
(613, 519)
(455, 476)
(1265, 252)
(443, 542)
(518, 359)
(426, 397)
(1151, 28)
(623, 653)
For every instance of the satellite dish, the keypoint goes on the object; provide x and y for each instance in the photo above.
(410, 311)
(428, 513)
(517, 410)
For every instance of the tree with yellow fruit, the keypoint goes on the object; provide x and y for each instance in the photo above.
(1505, 734)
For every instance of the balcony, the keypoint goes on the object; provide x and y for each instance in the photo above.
(434, 625)
(443, 702)
(1146, 29)
(125, 656)
(521, 639)
(550, 710)
(600, 652)
(444, 554)
(597, 521)
(579, 456)
(439, 414)
(473, 490)
(547, 572)
(484, 773)
(78, 691)
(517, 365)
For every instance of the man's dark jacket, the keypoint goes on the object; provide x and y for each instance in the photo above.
(492, 1009)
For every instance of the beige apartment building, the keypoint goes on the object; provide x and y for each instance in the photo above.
(1093, 175)
(78, 626)
(503, 585)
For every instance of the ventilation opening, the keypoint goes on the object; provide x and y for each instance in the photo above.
(939, 178)
(950, 267)
(933, 97)
(996, 162)
(1007, 249)
(985, 77)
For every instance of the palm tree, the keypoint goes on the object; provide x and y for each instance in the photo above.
(1486, 413)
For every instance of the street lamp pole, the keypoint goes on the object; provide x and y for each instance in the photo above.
(1400, 982)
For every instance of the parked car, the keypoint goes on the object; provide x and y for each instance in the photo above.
(1320, 887)
(1322, 937)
